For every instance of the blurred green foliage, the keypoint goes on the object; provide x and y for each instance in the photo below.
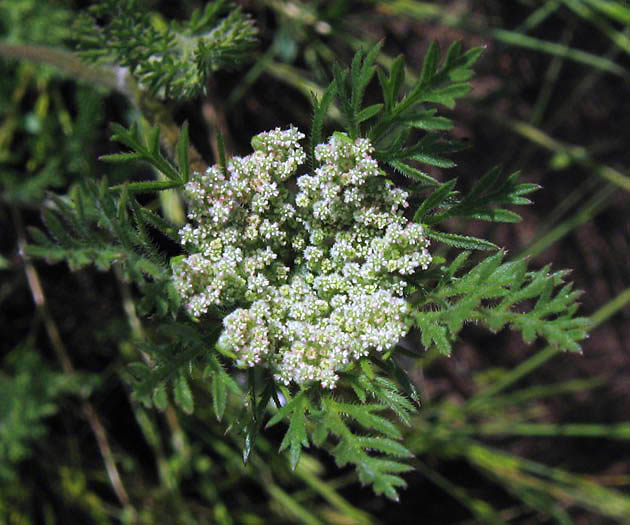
(30, 392)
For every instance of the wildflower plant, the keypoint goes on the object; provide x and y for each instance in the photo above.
(305, 263)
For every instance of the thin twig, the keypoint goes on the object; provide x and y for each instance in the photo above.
(65, 61)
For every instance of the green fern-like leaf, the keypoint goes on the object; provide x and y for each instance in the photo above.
(148, 150)
(320, 108)
(436, 84)
(183, 348)
(490, 190)
(379, 471)
(96, 229)
(222, 383)
(489, 293)
(375, 451)
(171, 60)
(296, 436)
(387, 393)
(182, 394)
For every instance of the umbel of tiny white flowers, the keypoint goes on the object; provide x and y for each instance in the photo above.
(315, 278)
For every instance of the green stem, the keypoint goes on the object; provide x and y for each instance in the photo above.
(111, 78)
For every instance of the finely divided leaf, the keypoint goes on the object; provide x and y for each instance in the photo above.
(493, 293)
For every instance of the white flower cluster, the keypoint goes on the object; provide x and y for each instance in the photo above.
(316, 277)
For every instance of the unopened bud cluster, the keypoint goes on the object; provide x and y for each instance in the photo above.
(314, 275)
